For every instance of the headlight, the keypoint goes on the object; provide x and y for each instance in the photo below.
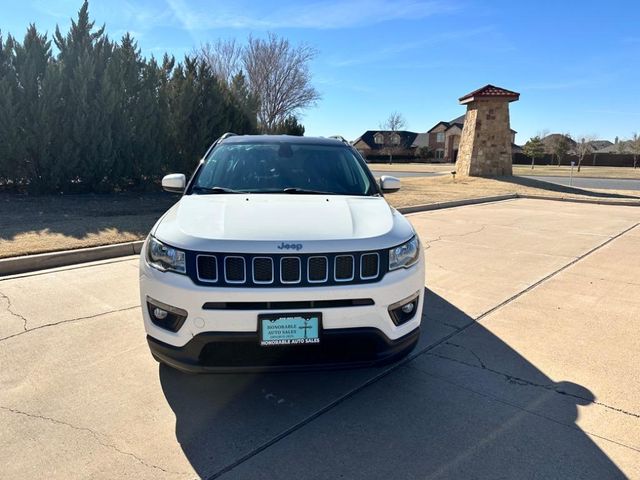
(404, 255)
(164, 257)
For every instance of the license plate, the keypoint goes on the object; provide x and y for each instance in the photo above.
(289, 328)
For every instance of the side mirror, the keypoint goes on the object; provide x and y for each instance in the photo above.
(174, 182)
(389, 184)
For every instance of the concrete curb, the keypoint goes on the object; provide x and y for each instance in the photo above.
(41, 261)
(455, 203)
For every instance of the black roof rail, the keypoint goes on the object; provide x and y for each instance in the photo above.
(341, 138)
(226, 135)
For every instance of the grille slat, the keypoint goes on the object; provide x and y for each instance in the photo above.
(344, 268)
(317, 268)
(218, 269)
(369, 265)
(263, 270)
(207, 268)
(290, 270)
(234, 270)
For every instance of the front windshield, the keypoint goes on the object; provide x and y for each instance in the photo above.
(283, 168)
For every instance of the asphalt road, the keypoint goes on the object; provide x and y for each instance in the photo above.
(597, 183)
(526, 368)
(589, 183)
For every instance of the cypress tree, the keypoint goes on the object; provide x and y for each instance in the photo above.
(84, 141)
(32, 59)
(10, 145)
(98, 116)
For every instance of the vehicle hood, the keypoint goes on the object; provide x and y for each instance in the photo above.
(234, 223)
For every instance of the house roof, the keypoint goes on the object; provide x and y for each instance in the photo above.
(406, 138)
(446, 124)
(552, 138)
(621, 147)
(456, 122)
(490, 91)
(600, 144)
(421, 140)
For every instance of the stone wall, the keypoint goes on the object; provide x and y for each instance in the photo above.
(485, 144)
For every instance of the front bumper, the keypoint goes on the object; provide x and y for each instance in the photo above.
(222, 340)
(215, 352)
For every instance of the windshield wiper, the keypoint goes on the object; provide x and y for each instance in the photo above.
(306, 191)
(216, 190)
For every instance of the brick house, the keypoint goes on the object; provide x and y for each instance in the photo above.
(444, 138)
(381, 143)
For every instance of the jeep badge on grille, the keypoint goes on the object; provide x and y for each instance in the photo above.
(290, 246)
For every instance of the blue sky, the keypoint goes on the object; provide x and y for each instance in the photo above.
(575, 63)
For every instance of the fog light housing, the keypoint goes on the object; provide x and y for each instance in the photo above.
(159, 314)
(408, 308)
(404, 310)
(165, 316)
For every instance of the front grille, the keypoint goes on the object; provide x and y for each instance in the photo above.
(273, 270)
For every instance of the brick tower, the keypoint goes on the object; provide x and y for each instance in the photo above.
(485, 143)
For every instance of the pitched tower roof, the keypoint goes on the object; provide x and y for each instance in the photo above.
(490, 91)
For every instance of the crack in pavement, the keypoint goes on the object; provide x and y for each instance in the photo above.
(94, 434)
(447, 324)
(69, 320)
(10, 310)
(443, 237)
(482, 365)
(524, 382)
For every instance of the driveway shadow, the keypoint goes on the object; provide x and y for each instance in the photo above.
(462, 405)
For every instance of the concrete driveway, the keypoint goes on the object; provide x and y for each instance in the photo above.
(527, 368)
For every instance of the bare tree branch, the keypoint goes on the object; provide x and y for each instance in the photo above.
(584, 147)
(223, 57)
(394, 122)
(279, 76)
(635, 149)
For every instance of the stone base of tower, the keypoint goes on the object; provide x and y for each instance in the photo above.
(485, 143)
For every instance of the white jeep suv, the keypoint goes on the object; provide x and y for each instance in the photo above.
(282, 253)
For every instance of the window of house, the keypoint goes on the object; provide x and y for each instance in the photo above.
(395, 139)
(440, 137)
(440, 153)
(378, 138)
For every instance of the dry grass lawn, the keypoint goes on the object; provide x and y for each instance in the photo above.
(31, 225)
(413, 167)
(425, 190)
(50, 223)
